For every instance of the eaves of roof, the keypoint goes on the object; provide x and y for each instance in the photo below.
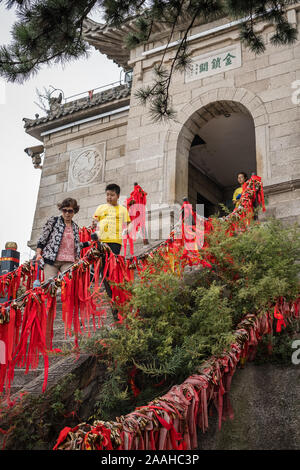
(61, 114)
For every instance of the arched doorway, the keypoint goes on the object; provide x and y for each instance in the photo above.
(193, 116)
(223, 144)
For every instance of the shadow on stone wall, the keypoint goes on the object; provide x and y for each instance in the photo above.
(266, 404)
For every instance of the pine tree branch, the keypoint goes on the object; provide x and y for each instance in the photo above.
(160, 108)
(52, 31)
(23, 57)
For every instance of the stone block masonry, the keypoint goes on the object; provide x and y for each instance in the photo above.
(263, 84)
(78, 164)
(134, 148)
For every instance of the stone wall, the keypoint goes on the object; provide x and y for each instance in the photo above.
(265, 401)
(134, 148)
(263, 84)
(79, 162)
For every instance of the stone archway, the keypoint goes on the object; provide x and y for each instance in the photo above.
(181, 134)
(223, 146)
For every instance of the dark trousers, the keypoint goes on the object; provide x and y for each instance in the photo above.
(115, 248)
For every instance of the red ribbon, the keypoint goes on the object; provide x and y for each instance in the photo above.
(280, 320)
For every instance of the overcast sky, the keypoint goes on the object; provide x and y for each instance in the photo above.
(19, 179)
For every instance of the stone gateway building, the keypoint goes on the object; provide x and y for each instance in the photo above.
(236, 111)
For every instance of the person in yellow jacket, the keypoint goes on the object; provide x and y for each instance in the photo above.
(242, 178)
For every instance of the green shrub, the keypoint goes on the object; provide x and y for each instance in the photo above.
(171, 326)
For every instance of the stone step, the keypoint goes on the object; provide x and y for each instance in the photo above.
(66, 344)
(52, 358)
(59, 327)
(58, 321)
(21, 378)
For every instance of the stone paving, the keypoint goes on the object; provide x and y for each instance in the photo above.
(59, 364)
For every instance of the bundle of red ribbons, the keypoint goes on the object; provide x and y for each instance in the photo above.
(136, 206)
(27, 273)
(26, 325)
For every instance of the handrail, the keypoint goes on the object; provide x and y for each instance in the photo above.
(109, 85)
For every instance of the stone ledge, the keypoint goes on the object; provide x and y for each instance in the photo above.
(59, 370)
(283, 187)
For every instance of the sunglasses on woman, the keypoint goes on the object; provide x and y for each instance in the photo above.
(68, 211)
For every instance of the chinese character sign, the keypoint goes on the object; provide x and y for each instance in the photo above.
(212, 63)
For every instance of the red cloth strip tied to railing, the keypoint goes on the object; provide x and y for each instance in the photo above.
(171, 422)
(25, 338)
(28, 336)
(136, 206)
(26, 273)
(25, 345)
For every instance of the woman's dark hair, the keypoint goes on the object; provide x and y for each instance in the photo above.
(113, 187)
(243, 173)
(69, 202)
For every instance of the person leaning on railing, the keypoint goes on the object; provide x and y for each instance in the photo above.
(59, 246)
(242, 178)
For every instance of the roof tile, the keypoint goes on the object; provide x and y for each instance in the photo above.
(58, 110)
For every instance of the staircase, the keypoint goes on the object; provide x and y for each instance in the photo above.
(62, 364)
(59, 363)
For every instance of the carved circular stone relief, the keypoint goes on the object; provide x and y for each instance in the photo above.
(86, 166)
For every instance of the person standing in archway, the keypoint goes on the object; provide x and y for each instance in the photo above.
(242, 178)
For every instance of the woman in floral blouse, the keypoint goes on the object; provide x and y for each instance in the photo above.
(59, 246)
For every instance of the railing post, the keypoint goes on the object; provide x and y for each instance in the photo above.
(9, 261)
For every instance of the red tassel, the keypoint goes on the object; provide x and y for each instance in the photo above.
(136, 206)
(63, 435)
(280, 320)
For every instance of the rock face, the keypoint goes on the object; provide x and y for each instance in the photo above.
(265, 400)
(266, 405)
